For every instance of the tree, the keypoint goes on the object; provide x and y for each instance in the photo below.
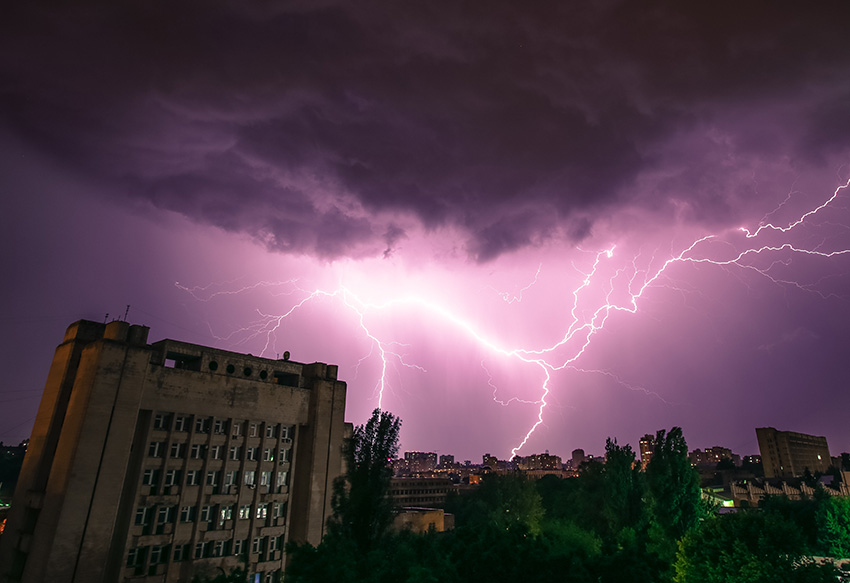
(674, 484)
(624, 488)
(362, 508)
(751, 546)
(834, 527)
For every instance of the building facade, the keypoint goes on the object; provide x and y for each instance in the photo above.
(786, 454)
(159, 462)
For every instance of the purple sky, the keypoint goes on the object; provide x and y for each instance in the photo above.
(449, 177)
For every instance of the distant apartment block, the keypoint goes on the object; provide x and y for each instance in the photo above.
(647, 446)
(419, 492)
(420, 461)
(159, 462)
(786, 454)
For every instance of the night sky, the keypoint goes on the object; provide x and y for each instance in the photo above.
(486, 196)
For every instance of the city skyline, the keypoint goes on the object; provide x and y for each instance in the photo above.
(421, 190)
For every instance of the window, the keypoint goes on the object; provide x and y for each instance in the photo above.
(262, 510)
(253, 430)
(282, 479)
(181, 553)
(271, 430)
(225, 513)
(159, 554)
(249, 477)
(178, 450)
(265, 478)
(137, 556)
(268, 455)
(235, 452)
(151, 478)
(279, 509)
(202, 425)
(187, 514)
(219, 548)
(161, 421)
(198, 451)
(220, 427)
(200, 550)
(244, 512)
(274, 543)
(143, 515)
(287, 432)
(252, 454)
(216, 452)
(207, 513)
(257, 545)
(213, 478)
(237, 429)
(231, 480)
(172, 477)
(238, 546)
(156, 448)
(285, 455)
(181, 423)
(165, 515)
(193, 477)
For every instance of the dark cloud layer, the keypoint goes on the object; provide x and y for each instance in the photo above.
(322, 128)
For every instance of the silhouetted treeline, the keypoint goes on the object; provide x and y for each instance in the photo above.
(612, 523)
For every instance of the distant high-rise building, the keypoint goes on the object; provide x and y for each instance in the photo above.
(578, 458)
(447, 461)
(159, 462)
(786, 454)
(647, 446)
(490, 461)
(420, 461)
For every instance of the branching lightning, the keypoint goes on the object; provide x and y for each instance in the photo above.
(593, 301)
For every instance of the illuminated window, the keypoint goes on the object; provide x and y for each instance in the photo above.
(249, 477)
(244, 512)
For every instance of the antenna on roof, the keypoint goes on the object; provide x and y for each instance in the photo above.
(127, 311)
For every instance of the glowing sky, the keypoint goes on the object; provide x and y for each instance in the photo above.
(465, 187)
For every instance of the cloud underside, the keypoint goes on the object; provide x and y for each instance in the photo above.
(334, 130)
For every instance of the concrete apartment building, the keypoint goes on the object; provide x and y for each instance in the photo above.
(786, 454)
(156, 462)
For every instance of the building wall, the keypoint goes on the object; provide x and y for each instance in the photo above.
(787, 454)
(131, 437)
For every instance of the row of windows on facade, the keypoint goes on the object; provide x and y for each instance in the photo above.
(150, 556)
(408, 492)
(153, 519)
(183, 423)
(178, 450)
(221, 481)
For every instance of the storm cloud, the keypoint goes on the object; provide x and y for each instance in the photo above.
(329, 129)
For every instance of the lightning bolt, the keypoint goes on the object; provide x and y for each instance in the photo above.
(628, 281)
